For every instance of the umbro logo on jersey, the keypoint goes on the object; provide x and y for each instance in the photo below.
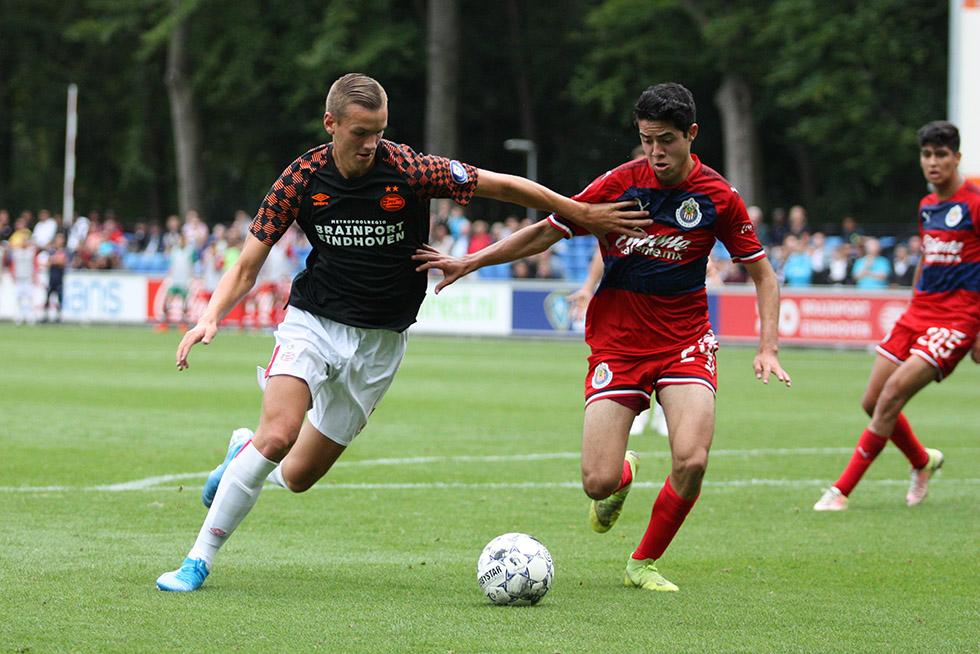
(321, 200)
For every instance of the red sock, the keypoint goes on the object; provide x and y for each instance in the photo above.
(667, 517)
(628, 475)
(906, 441)
(868, 447)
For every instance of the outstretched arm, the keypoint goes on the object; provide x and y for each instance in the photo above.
(233, 286)
(597, 218)
(580, 299)
(523, 243)
(766, 362)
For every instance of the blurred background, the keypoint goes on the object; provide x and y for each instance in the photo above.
(828, 94)
(188, 110)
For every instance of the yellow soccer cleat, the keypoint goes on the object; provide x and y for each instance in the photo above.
(604, 513)
(642, 573)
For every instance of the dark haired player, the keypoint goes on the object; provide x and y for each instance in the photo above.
(362, 202)
(648, 324)
(940, 326)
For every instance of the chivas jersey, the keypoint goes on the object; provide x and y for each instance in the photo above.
(950, 231)
(652, 297)
(363, 231)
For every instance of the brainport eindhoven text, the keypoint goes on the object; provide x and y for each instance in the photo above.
(362, 234)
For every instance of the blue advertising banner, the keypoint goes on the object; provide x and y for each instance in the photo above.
(545, 311)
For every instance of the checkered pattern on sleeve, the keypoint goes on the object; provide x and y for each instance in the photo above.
(428, 175)
(281, 204)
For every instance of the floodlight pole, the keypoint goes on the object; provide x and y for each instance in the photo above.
(71, 131)
(530, 151)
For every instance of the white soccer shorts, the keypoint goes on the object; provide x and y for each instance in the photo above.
(348, 369)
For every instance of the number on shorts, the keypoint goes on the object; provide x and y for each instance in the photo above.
(941, 342)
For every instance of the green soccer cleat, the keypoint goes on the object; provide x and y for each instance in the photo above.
(642, 573)
(920, 478)
(604, 513)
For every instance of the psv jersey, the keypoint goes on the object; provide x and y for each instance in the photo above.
(363, 231)
(652, 298)
(950, 231)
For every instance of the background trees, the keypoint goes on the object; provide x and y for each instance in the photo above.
(799, 101)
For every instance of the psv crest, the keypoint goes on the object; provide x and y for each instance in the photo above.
(558, 311)
(688, 215)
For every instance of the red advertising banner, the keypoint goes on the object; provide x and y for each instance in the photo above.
(264, 306)
(811, 317)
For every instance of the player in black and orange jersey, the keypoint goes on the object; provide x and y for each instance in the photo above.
(648, 324)
(363, 203)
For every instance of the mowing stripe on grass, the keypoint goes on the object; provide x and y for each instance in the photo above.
(729, 483)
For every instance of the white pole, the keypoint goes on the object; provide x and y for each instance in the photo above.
(530, 151)
(964, 92)
(953, 74)
(71, 131)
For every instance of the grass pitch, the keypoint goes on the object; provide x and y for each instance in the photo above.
(105, 448)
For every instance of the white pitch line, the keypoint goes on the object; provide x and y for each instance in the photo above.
(149, 482)
(576, 455)
(156, 482)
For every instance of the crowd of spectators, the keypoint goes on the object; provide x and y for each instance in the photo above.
(841, 256)
(452, 232)
(801, 255)
(37, 249)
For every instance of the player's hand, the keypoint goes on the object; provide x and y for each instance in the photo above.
(766, 364)
(202, 332)
(975, 352)
(452, 268)
(579, 301)
(618, 217)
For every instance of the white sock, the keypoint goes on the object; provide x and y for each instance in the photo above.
(275, 477)
(236, 495)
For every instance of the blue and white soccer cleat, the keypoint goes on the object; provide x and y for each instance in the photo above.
(239, 438)
(190, 576)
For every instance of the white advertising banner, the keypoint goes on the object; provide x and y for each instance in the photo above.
(466, 308)
(90, 296)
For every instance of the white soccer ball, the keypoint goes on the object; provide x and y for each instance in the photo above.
(515, 570)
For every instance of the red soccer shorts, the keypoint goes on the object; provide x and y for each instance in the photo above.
(941, 342)
(631, 381)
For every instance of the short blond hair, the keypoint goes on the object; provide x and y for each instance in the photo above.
(355, 88)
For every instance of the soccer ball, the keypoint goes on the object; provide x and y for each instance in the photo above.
(515, 570)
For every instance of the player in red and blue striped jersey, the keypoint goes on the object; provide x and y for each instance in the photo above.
(648, 323)
(940, 326)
